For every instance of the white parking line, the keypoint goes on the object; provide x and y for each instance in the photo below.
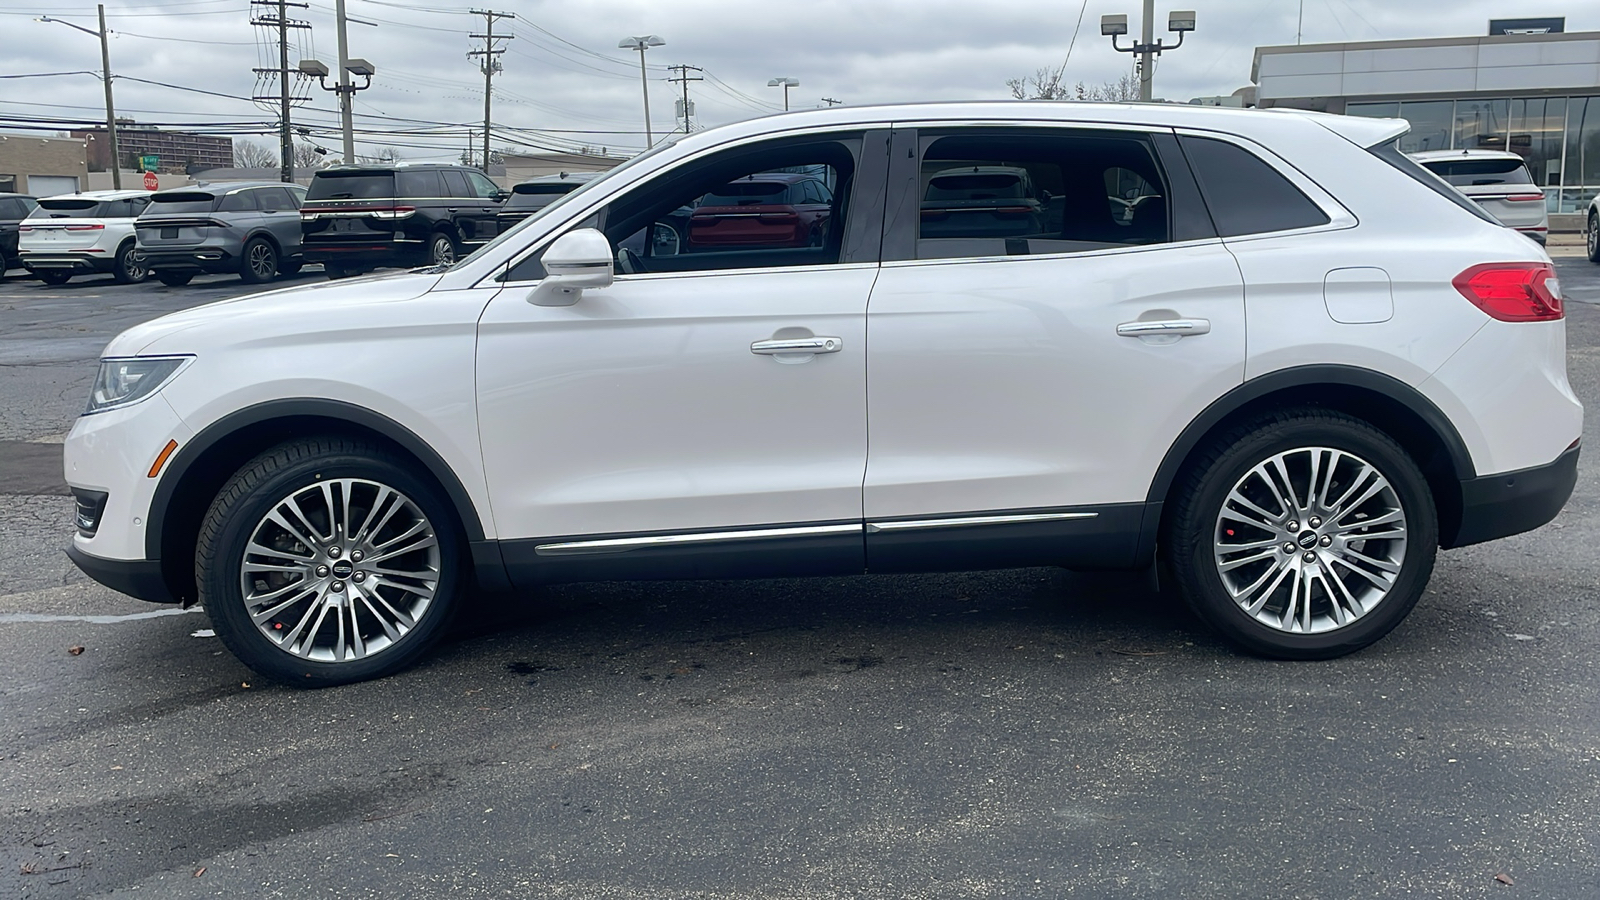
(29, 618)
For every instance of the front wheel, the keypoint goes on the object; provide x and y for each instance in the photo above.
(1306, 534)
(1592, 239)
(328, 560)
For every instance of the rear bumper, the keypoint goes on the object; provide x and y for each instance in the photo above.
(1497, 506)
(140, 578)
(33, 261)
(379, 251)
(193, 259)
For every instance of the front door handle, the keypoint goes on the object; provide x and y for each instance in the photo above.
(798, 345)
(1163, 327)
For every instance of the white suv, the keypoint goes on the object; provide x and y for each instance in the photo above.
(1264, 373)
(78, 234)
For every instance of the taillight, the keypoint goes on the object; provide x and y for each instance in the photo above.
(24, 228)
(398, 212)
(98, 226)
(1513, 292)
(1525, 198)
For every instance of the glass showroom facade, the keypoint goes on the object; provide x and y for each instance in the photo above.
(1558, 136)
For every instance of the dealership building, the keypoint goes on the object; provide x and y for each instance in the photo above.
(1528, 86)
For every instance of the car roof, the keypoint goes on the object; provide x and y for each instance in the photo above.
(9, 196)
(563, 178)
(222, 187)
(1436, 155)
(982, 170)
(776, 178)
(99, 195)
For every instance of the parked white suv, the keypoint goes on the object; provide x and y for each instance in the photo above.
(1264, 373)
(79, 234)
(1497, 180)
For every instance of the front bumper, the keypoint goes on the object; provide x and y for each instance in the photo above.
(140, 578)
(1497, 506)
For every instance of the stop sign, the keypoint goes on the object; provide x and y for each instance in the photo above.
(151, 182)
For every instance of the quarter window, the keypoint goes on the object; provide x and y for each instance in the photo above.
(998, 194)
(1244, 194)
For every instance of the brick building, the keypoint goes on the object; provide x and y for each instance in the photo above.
(177, 150)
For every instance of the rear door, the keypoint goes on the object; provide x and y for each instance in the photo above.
(1024, 387)
(280, 215)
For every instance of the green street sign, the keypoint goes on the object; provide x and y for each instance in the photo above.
(149, 163)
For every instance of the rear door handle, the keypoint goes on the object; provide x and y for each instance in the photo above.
(798, 345)
(1157, 328)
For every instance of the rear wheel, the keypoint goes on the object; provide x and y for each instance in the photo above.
(1305, 534)
(259, 262)
(54, 276)
(441, 250)
(1592, 240)
(129, 266)
(174, 279)
(328, 560)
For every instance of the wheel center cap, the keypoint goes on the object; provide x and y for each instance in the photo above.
(1307, 540)
(343, 568)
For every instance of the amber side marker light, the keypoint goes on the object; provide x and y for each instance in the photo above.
(161, 459)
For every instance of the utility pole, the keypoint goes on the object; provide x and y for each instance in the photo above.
(490, 64)
(681, 74)
(832, 102)
(111, 115)
(642, 43)
(1147, 34)
(281, 22)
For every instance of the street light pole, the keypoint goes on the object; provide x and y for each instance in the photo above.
(105, 70)
(1180, 22)
(347, 95)
(786, 84)
(641, 44)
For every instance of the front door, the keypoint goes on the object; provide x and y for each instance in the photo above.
(707, 407)
(1060, 310)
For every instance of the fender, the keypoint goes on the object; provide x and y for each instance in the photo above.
(186, 457)
(1284, 379)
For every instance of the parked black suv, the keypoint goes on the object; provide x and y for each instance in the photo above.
(535, 194)
(358, 218)
(13, 209)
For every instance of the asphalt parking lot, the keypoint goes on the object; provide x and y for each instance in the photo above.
(1026, 733)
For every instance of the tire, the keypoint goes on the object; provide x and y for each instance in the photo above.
(258, 261)
(1375, 551)
(334, 630)
(54, 276)
(1592, 238)
(129, 266)
(441, 250)
(174, 279)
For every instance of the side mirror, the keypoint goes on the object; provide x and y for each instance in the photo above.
(500, 196)
(579, 259)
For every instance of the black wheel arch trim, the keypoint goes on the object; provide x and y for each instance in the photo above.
(186, 456)
(1285, 379)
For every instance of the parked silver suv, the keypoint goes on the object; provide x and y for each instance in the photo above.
(251, 229)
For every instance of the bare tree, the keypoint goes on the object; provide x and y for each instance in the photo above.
(379, 157)
(306, 157)
(248, 154)
(1047, 84)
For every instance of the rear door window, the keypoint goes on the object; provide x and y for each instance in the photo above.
(1244, 193)
(455, 185)
(419, 183)
(238, 201)
(1009, 193)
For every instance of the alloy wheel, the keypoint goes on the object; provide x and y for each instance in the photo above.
(262, 261)
(1310, 540)
(340, 570)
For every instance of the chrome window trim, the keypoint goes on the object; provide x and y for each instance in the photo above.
(955, 522)
(1080, 254)
(708, 273)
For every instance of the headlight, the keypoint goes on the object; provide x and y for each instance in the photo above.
(123, 382)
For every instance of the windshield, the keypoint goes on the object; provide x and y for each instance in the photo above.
(67, 209)
(188, 202)
(1474, 172)
(571, 197)
(351, 186)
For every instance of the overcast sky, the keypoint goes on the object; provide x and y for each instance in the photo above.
(565, 82)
